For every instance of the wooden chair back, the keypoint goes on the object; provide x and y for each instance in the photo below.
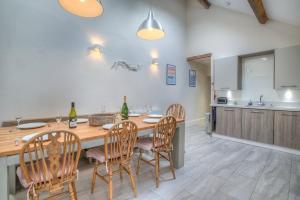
(53, 158)
(177, 111)
(120, 141)
(164, 133)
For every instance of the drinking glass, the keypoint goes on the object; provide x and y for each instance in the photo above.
(103, 109)
(18, 119)
(58, 119)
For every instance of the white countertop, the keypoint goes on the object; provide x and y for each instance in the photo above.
(267, 107)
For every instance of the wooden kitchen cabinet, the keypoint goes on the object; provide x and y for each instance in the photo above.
(227, 74)
(258, 125)
(287, 129)
(287, 67)
(228, 121)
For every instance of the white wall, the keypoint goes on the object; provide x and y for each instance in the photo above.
(44, 63)
(226, 33)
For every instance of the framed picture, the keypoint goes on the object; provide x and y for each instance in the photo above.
(192, 78)
(171, 74)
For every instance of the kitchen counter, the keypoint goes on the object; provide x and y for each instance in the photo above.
(267, 107)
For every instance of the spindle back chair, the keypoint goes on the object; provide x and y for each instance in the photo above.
(52, 163)
(177, 111)
(160, 144)
(116, 152)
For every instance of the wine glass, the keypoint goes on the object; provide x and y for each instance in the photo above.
(103, 109)
(18, 119)
(58, 118)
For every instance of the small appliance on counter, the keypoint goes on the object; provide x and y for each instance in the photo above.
(222, 100)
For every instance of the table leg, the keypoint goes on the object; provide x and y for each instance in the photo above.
(12, 179)
(3, 179)
(179, 146)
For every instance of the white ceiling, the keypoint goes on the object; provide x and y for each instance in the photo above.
(287, 11)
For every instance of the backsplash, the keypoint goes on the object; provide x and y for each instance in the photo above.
(276, 97)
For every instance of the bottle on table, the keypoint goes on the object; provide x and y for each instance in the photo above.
(72, 116)
(124, 110)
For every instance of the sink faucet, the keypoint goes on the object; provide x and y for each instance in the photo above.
(260, 103)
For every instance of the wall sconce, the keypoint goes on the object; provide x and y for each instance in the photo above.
(95, 51)
(154, 61)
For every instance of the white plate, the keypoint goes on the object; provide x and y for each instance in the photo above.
(151, 120)
(82, 120)
(155, 116)
(26, 138)
(108, 126)
(31, 125)
(134, 115)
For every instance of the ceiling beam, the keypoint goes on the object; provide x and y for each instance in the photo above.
(205, 3)
(259, 10)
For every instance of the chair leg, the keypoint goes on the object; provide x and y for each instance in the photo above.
(94, 178)
(72, 191)
(171, 165)
(139, 162)
(132, 180)
(110, 188)
(36, 197)
(157, 169)
(121, 172)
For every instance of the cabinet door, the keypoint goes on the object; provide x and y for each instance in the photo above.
(257, 125)
(287, 67)
(226, 74)
(229, 121)
(287, 129)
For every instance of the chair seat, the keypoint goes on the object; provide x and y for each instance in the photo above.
(39, 177)
(98, 154)
(145, 143)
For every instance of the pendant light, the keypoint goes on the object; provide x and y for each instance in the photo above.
(150, 29)
(82, 8)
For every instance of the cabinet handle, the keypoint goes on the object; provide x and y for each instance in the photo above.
(225, 88)
(257, 112)
(287, 115)
(288, 86)
(228, 110)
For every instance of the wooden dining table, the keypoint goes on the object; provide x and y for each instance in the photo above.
(90, 136)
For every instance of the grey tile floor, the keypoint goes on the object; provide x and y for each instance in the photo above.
(215, 169)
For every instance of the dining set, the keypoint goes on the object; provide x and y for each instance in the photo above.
(47, 161)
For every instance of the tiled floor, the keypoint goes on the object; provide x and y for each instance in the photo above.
(214, 169)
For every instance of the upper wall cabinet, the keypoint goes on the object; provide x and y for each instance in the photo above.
(287, 68)
(227, 73)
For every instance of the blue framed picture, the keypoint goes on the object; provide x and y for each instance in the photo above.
(192, 78)
(171, 74)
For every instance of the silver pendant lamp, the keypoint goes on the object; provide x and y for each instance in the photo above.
(150, 29)
(82, 8)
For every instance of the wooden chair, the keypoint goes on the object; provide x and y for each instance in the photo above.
(160, 144)
(52, 164)
(115, 155)
(177, 111)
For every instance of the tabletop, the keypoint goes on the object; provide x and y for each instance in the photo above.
(8, 135)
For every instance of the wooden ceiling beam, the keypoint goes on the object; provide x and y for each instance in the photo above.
(259, 10)
(205, 3)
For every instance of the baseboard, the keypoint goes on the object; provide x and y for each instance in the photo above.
(258, 144)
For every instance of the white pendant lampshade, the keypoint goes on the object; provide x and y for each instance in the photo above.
(83, 8)
(150, 29)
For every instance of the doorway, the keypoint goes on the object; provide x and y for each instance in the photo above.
(202, 65)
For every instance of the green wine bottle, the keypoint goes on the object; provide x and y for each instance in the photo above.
(124, 111)
(72, 117)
